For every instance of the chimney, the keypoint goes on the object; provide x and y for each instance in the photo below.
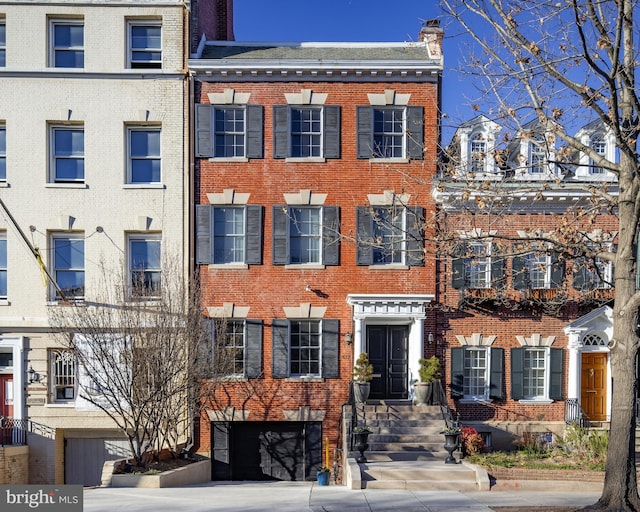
(432, 34)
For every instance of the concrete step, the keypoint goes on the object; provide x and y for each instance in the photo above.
(417, 475)
(408, 456)
(405, 447)
(423, 430)
(406, 438)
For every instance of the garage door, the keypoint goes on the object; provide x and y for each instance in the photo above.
(287, 450)
(84, 458)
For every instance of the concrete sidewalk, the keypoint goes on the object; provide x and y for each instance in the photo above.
(308, 496)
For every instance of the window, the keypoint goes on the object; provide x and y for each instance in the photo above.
(478, 267)
(477, 372)
(3, 153)
(306, 132)
(237, 347)
(229, 357)
(68, 265)
(229, 124)
(145, 265)
(3, 264)
(306, 235)
(599, 145)
(537, 156)
(67, 44)
(537, 270)
(144, 155)
(390, 235)
(68, 155)
(63, 370)
(390, 132)
(3, 43)
(593, 273)
(305, 348)
(228, 235)
(478, 154)
(145, 45)
(536, 373)
(229, 131)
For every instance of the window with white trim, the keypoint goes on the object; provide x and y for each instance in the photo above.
(66, 43)
(478, 265)
(306, 132)
(305, 348)
(144, 160)
(537, 373)
(63, 375)
(144, 44)
(229, 348)
(534, 373)
(145, 272)
(67, 251)
(537, 155)
(599, 145)
(229, 132)
(305, 235)
(228, 234)
(539, 269)
(393, 131)
(478, 153)
(475, 372)
(389, 232)
(67, 154)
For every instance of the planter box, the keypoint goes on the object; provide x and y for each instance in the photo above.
(195, 473)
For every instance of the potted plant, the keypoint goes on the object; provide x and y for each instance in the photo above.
(361, 438)
(322, 475)
(361, 375)
(428, 372)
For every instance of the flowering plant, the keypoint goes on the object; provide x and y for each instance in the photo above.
(323, 469)
(451, 430)
(362, 430)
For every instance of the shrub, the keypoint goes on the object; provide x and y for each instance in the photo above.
(532, 443)
(472, 442)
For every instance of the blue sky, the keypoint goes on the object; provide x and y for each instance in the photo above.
(358, 21)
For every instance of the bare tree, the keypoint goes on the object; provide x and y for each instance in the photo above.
(142, 350)
(564, 64)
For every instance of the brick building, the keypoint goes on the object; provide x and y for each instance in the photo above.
(313, 179)
(523, 328)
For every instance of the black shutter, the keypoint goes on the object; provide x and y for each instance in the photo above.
(330, 235)
(457, 372)
(557, 271)
(331, 131)
(517, 373)
(255, 137)
(496, 377)
(204, 131)
(498, 278)
(330, 344)
(221, 465)
(280, 348)
(415, 133)
(253, 235)
(280, 246)
(364, 236)
(415, 241)
(458, 271)
(364, 125)
(203, 234)
(556, 374)
(520, 275)
(253, 349)
(280, 131)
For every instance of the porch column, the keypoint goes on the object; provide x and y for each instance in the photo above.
(575, 364)
(415, 350)
(359, 342)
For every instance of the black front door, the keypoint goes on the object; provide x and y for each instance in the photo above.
(387, 348)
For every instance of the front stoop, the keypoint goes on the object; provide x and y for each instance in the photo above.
(420, 475)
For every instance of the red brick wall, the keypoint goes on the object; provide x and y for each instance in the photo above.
(267, 288)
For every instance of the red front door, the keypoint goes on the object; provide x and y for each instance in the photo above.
(6, 396)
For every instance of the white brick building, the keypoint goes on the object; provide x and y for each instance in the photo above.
(94, 157)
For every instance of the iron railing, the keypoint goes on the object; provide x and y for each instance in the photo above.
(573, 414)
(13, 431)
(451, 418)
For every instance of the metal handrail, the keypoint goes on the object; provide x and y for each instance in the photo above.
(451, 418)
(573, 414)
(13, 431)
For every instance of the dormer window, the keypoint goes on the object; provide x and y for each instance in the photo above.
(536, 157)
(477, 153)
(599, 145)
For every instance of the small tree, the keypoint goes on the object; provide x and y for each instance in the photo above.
(142, 351)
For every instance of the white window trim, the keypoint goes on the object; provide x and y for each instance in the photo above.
(311, 158)
(544, 398)
(52, 49)
(53, 179)
(403, 250)
(241, 158)
(547, 270)
(487, 384)
(60, 402)
(470, 261)
(129, 178)
(404, 157)
(299, 377)
(137, 23)
(236, 264)
(308, 264)
(151, 237)
(4, 299)
(583, 170)
(63, 235)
